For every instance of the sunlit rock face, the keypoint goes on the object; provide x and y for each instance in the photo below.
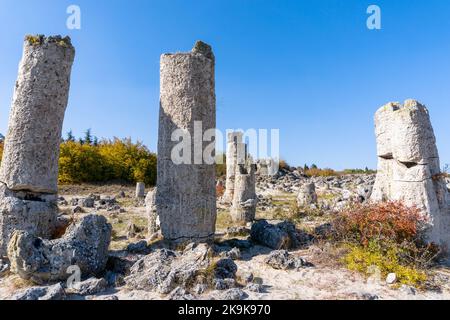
(186, 194)
(29, 168)
(409, 167)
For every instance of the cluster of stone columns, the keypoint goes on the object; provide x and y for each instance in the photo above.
(240, 180)
(236, 156)
(409, 167)
(29, 168)
(186, 194)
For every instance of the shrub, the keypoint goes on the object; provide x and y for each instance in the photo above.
(108, 160)
(386, 260)
(359, 171)
(383, 221)
(283, 165)
(385, 235)
(80, 163)
(128, 161)
(316, 172)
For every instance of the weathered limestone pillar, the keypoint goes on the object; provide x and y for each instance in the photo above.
(186, 194)
(236, 155)
(140, 190)
(307, 195)
(152, 215)
(29, 169)
(408, 165)
(244, 199)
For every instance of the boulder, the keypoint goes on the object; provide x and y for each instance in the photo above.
(55, 292)
(164, 270)
(282, 260)
(282, 235)
(84, 245)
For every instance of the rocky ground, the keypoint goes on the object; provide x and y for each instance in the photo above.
(235, 266)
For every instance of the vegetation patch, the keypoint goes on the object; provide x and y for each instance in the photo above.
(387, 236)
(88, 160)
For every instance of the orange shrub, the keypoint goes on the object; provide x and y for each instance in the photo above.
(385, 222)
(220, 190)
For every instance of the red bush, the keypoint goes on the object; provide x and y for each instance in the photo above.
(392, 221)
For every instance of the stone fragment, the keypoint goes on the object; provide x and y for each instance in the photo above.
(180, 294)
(89, 287)
(234, 294)
(55, 292)
(31, 212)
(85, 245)
(391, 278)
(282, 260)
(186, 193)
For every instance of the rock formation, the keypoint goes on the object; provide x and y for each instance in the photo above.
(85, 245)
(140, 190)
(152, 215)
(236, 155)
(307, 195)
(186, 193)
(29, 169)
(408, 165)
(277, 236)
(244, 199)
(266, 167)
(192, 269)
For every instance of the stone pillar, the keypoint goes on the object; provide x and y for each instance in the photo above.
(408, 165)
(152, 215)
(140, 190)
(244, 199)
(236, 155)
(186, 193)
(307, 195)
(29, 169)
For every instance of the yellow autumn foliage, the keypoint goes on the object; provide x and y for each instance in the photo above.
(109, 160)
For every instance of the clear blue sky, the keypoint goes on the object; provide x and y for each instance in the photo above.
(310, 68)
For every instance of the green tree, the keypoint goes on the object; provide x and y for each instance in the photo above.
(88, 137)
(70, 136)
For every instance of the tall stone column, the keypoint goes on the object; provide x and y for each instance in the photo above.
(408, 165)
(29, 169)
(236, 155)
(186, 194)
(244, 199)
